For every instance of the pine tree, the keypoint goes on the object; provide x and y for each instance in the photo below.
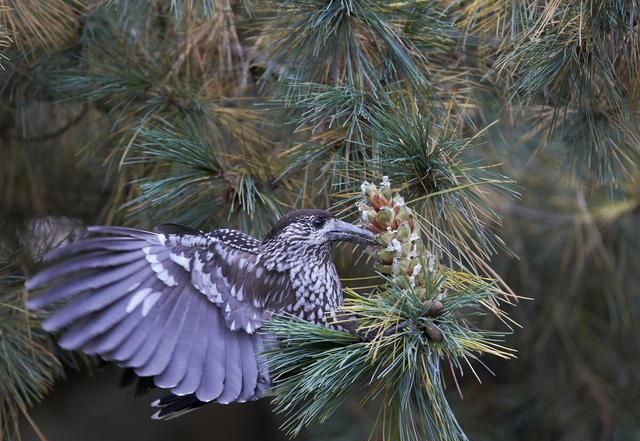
(492, 145)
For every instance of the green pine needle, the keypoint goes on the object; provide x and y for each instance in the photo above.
(198, 175)
(355, 43)
(28, 366)
(316, 369)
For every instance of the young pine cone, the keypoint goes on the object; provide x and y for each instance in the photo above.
(402, 252)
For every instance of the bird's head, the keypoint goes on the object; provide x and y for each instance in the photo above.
(316, 228)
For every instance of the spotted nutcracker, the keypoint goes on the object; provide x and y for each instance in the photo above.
(182, 307)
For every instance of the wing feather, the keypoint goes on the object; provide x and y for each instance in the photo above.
(89, 327)
(134, 344)
(196, 358)
(167, 337)
(177, 366)
(87, 282)
(115, 336)
(147, 236)
(261, 342)
(232, 370)
(97, 259)
(96, 244)
(249, 369)
(93, 301)
(212, 382)
(176, 305)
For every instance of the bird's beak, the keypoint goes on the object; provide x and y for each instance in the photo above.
(344, 231)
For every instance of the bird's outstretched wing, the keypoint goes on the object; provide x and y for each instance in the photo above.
(176, 305)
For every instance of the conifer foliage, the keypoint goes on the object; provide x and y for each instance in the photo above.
(498, 143)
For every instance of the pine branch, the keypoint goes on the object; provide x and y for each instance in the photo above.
(580, 60)
(445, 178)
(41, 23)
(419, 317)
(5, 38)
(136, 85)
(28, 366)
(357, 43)
(201, 170)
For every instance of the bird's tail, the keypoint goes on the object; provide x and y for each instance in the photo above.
(173, 406)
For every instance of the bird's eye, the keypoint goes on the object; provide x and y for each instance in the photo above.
(318, 222)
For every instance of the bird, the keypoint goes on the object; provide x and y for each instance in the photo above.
(183, 308)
